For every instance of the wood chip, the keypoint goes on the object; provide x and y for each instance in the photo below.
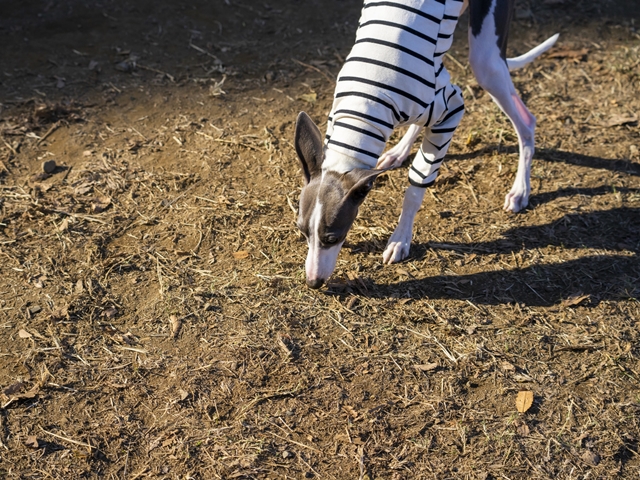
(575, 299)
(239, 255)
(619, 120)
(22, 333)
(426, 367)
(569, 53)
(176, 324)
(32, 442)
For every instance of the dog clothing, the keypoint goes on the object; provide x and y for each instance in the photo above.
(394, 76)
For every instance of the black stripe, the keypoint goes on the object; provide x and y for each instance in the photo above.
(426, 60)
(355, 149)
(399, 116)
(443, 130)
(445, 35)
(418, 172)
(390, 66)
(449, 17)
(367, 117)
(438, 54)
(426, 160)
(450, 114)
(439, 147)
(403, 7)
(430, 113)
(386, 87)
(452, 94)
(402, 27)
(420, 185)
(361, 130)
(440, 69)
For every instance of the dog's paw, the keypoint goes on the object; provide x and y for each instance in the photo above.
(516, 200)
(396, 250)
(388, 160)
(393, 158)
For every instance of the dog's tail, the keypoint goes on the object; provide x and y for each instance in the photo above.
(531, 55)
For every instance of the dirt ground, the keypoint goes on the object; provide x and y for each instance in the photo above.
(154, 321)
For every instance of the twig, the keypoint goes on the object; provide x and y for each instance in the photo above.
(75, 442)
(10, 147)
(326, 75)
(53, 128)
(297, 443)
(452, 58)
(155, 70)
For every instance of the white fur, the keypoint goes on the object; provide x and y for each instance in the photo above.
(525, 59)
(395, 157)
(493, 75)
(320, 261)
(400, 241)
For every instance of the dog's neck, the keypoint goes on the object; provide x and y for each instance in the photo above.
(341, 163)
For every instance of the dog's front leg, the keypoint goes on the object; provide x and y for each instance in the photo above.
(400, 241)
(395, 156)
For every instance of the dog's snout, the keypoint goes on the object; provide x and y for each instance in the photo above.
(315, 282)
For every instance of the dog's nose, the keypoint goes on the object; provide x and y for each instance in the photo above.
(315, 282)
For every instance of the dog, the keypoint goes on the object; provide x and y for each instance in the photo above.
(394, 76)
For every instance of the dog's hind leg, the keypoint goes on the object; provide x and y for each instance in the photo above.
(488, 29)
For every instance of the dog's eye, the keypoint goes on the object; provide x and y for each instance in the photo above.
(330, 240)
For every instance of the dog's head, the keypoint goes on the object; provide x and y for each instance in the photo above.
(328, 203)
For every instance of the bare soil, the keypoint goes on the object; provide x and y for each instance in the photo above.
(154, 321)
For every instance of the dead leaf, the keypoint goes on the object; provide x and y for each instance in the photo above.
(426, 367)
(24, 334)
(239, 255)
(32, 442)
(524, 400)
(617, 120)
(309, 97)
(575, 299)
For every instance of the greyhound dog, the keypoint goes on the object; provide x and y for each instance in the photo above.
(394, 76)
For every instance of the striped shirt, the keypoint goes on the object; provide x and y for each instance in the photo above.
(392, 75)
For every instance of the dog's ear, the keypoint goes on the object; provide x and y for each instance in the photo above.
(363, 183)
(308, 142)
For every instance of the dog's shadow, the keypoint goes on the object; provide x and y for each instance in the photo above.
(625, 166)
(604, 246)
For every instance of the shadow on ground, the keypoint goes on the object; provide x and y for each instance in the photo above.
(606, 276)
